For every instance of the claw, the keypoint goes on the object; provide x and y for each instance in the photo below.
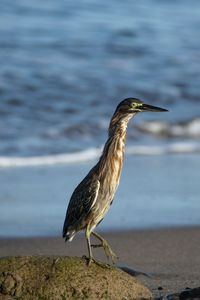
(90, 260)
(109, 253)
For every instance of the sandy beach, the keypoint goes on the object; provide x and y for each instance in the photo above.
(170, 256)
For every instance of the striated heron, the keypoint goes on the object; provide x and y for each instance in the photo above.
(93, 197)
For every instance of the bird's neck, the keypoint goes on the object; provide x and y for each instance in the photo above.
(113, 152)
(118, 125)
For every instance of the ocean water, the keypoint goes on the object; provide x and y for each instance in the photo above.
(66, 64)
(154, 192)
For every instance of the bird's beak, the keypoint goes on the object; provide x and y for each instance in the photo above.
(146, 107)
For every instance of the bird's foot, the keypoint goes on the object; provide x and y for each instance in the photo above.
(108, 251)
(90, 260)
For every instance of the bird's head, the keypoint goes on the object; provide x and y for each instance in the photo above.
(133, 105)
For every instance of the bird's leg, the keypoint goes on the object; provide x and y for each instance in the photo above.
(87, 235)
(108, 251)
(91, 258)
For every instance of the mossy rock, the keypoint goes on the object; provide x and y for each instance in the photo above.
(60, 278)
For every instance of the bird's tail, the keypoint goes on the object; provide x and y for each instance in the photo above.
(68, 235)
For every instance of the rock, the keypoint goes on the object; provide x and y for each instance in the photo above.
(60, 278)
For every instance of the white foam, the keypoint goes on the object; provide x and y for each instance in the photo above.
(190, 129)
(173, 148)
(94, 153)
(6, 162)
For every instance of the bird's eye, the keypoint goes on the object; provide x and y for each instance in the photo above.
(136, 105)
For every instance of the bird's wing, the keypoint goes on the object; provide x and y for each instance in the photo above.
(81, 202)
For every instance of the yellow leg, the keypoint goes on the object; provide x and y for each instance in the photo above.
(108, 251)
(87, 236)
(91, 258)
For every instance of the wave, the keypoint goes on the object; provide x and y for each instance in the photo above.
(187, 129)
(55, 159)
(93, 153)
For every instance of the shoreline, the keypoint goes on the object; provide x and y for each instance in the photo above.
(171, 256)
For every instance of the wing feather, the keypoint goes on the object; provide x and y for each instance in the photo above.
(81, 203)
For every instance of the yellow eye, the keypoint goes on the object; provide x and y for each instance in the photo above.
(136, 105)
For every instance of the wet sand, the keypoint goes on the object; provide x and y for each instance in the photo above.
(171, 256)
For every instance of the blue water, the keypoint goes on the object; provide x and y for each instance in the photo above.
(66, 64)
(64, 67)
(154, 192)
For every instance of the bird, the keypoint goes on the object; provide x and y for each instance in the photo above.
(93, 197)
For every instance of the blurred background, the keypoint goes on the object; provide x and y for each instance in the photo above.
(64, 66)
